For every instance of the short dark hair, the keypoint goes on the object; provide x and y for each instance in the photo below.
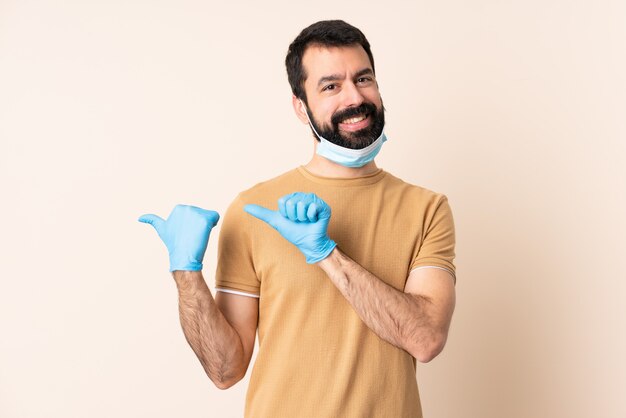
(327, 33)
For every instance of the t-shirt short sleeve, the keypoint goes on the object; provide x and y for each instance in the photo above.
(235, 267)
(438, 240)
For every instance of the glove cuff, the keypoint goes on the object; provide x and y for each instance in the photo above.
(328, 247)
(186, 263)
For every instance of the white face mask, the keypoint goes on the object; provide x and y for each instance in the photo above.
(346, 156)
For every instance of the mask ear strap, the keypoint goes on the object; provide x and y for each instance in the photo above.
(303, 107)
(309, 119)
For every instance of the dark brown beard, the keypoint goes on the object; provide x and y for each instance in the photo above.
(353, 140)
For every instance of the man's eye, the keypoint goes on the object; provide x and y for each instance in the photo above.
(363, 79)
(329, 87)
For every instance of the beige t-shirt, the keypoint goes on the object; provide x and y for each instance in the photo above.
(316, 357)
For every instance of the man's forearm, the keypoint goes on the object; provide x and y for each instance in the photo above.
(402, 319)
(212, 338)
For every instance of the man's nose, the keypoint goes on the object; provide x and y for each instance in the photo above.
(351, 95)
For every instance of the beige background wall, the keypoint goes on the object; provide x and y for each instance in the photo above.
(110, 109)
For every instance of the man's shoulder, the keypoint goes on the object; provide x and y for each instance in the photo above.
(271, 189)
(406, 188)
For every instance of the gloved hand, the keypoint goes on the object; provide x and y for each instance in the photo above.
(185, 234)
(302, 218)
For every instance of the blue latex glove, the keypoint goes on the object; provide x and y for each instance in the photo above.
(185, 234)
(302, 218)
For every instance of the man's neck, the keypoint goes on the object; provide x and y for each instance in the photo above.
(323, 167)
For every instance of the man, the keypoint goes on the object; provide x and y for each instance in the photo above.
(356, 282)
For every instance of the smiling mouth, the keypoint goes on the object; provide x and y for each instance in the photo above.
(353, 119)
(355, 123)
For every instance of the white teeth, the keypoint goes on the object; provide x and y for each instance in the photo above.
(355, 119)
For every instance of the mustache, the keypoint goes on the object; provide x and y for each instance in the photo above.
(362, 109)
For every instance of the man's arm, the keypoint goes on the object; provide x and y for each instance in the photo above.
(222, 332)
(416, 320)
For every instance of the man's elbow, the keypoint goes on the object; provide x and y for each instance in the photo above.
(425, 351)
(223, 382)
(225, 385)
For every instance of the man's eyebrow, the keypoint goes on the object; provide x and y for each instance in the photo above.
(335, 77)
(332, 77)
(364, 71)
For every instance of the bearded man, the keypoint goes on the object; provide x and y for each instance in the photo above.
(345, 270)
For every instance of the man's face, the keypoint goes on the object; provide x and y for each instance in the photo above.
(344, 104)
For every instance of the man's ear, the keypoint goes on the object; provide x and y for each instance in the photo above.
(298, 107)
